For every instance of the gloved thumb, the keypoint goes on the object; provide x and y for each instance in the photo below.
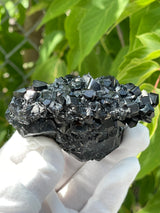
(30, 168)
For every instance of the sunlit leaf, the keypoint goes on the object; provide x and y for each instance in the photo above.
(57, 8)
(72, 34)
(137, 71)
(87, 23)
(146, 20)
(132, 7)
(101, 14)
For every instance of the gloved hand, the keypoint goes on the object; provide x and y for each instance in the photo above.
(37, 177)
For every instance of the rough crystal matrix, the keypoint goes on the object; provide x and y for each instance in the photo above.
(85, 116)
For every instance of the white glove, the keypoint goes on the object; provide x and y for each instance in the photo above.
(31, 178)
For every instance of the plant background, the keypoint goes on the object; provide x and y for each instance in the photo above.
(47, 39)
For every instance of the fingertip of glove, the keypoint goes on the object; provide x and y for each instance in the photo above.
(143, 133)
(132, 163)
(137, 137)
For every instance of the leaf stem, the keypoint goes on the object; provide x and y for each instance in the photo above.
(157, 82)
(120, 35)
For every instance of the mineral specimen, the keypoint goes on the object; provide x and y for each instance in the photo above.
(85, 116)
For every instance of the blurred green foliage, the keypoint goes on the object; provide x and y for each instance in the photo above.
(118, 37)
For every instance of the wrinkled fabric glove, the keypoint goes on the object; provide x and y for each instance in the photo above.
(36, 176)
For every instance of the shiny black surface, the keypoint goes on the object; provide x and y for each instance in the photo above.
(85, 116)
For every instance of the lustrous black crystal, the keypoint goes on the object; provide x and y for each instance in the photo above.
(85, 116)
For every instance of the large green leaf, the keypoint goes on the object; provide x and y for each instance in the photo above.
(87, 23)
(57, 8)
(149, 159)
(137, 71)
(56, 24)
(99, 17)
(72, 34)
(132, 7)
(139, 53)
(146, 20)
(137, 64)
(149, 49)
(152, 42)
(146, 86)
(153, 206)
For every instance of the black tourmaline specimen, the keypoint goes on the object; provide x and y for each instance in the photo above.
(85, 116)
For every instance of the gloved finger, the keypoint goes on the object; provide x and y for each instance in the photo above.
(38, 168)
(112, 189)
(87, 178)
(72, 165)
(17, 147)
(14, 197)
(52, 204)
(135, 140)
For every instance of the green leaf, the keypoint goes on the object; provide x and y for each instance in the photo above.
(145, 193)
(139, 53)
(49, 44)
(56, 24)
(99, 17)
(146, 20)
(72, 34)
(137, 71)
(146, 86)
(132, 7)
(49, 70)
(118, 60)
(149, 50)
(153, 205)
(97, 63)
(87, 23)
(57, 8)
(149, 159)
(152, 42)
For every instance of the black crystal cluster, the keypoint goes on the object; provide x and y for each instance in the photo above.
(85, 116)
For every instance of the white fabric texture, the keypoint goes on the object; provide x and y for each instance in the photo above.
(36, 176)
